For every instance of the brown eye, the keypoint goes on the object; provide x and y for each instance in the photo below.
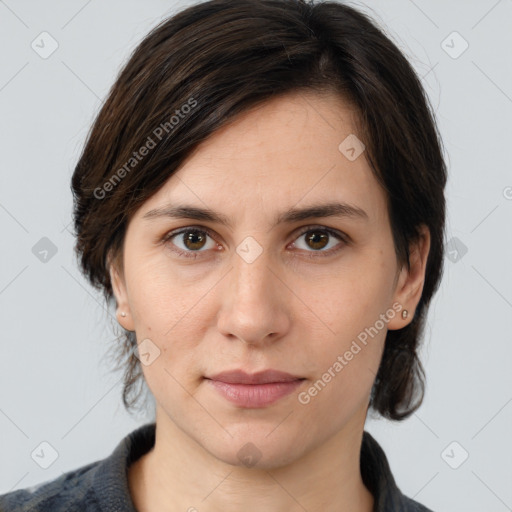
(193, 240)
(317, 239)
(189, 242)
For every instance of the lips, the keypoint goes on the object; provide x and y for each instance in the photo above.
(255, 390)
(262, 377)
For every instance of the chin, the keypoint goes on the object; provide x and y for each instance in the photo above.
(255, 450)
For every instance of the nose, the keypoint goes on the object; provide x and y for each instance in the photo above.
(255, 302)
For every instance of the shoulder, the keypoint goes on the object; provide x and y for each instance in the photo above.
(96, 487)
(71, 492)
(413, 506)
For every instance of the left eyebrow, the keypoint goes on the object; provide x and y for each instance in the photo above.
(289, 216)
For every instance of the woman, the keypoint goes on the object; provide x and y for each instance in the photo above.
(262, 195)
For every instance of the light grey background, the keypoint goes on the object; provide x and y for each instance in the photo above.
(55, 380)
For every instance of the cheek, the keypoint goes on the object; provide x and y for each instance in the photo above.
(160, 296)
(175, 314)
(350, 300)
(356, 307)
(344, 374)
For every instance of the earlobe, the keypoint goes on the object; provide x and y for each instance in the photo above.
(411, 281)
(123, 312)
(125, 320)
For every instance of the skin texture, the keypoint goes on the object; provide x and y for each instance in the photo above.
(283, 311)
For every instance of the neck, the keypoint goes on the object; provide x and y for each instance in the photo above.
(180, 475)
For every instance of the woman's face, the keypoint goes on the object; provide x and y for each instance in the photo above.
(312, 296)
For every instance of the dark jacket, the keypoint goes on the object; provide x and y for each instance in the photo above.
(102, 486)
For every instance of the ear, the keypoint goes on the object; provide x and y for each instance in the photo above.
(120, 294)
(410, 282)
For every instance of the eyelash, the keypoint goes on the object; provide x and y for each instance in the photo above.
(313, 254)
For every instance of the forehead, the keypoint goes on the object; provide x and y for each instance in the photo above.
(283, 153)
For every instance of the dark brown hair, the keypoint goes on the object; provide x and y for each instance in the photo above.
(196, 71)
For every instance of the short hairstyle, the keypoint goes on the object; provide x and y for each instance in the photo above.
(195, 71)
